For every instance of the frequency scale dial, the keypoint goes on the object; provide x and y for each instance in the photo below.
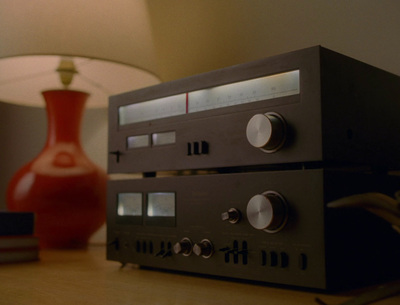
(228, 95)
(267, 211)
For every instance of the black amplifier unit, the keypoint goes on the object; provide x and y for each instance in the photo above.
(239, 166)
(270, 226)
(305, 106)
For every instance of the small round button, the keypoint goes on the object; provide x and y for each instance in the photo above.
(267, 212)
(183, 247)
(266, 131)
(203, 248)
(232, 215)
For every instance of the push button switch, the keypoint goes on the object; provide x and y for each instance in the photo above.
(284, 260)
(303, 261)
(204, 148)
(273, 259)
(196, 148)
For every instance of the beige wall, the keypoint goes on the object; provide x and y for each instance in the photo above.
(194, 36)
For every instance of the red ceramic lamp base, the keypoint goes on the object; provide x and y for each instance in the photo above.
(65, 190)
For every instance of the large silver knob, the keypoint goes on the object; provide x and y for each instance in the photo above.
(266, 131)
(268, 212)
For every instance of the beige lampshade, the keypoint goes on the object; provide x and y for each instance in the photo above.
(110, 43)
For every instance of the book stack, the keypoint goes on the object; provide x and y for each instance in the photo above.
(17, 242)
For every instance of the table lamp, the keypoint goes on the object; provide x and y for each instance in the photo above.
(87, 50)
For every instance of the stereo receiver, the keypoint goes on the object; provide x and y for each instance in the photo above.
(211, 224)
(305, 106)
(239, 164)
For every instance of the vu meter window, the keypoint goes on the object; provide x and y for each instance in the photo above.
(161, 204)
(130, 204)
(242, 92)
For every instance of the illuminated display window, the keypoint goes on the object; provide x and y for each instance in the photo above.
(152, 110)
(163, 138)
(160, 209)
(237, 93)
(138, 141)
(161, 204)
(130, 204)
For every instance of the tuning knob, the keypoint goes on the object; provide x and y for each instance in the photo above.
(203, 248)
(266, 131)
(183, 247)
(268, 212)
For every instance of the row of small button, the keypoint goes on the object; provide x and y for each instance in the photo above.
(197, 148)
(205, 249)
(275, 259)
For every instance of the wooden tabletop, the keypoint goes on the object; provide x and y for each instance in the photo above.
(85, 277)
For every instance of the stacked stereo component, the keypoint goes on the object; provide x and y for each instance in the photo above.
(237, 167)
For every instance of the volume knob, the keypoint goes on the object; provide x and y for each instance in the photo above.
(266, 131)
(268, 212)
